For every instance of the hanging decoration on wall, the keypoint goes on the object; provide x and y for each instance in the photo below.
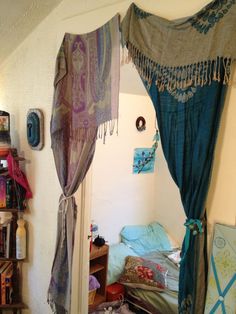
(5, 139)
(140, 124)
(35, 134)
(144, 158)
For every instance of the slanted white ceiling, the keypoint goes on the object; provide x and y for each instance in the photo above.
(18, 18)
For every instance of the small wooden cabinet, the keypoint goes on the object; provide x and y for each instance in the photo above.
(98, 268)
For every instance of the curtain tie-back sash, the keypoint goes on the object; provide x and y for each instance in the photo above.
(65, 198)
(63, 210)
(192, 225)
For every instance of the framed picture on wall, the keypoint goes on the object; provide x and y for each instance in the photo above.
(144, 160)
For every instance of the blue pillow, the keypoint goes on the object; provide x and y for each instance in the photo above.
(144, 239)
(116, 261)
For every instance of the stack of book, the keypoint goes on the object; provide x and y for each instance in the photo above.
(6, 283)
(12, 194)
(8, 239)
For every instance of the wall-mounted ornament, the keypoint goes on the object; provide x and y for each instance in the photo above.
(144, 158)
(141, 124)
(35, 134)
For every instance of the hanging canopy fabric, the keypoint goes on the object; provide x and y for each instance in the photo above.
(183, 52)
(85, 103)
(86, 83)
(186, 66)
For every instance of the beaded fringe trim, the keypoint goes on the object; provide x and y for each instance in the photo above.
(181, 77)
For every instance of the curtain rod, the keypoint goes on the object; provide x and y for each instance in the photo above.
(89, 11)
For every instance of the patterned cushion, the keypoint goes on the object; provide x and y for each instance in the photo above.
(145, 274)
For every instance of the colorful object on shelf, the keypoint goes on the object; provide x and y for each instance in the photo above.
(93, 283)
(20, 239)
(93, 286)
(2, 191)
(94, 230)
(5, 127)
(17, 174)
(35, 129)
(5, 139)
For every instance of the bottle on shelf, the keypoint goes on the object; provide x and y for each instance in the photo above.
(94, 230)
(20, 239)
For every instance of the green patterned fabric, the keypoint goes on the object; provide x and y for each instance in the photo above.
(221, 291)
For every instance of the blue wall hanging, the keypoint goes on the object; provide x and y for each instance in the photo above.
(35, 135)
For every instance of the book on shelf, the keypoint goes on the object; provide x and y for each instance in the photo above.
(3, 268)
(9, 285)
(8, 269)
(8, 239)
(9, 193)
(12, 194)
(2, 192)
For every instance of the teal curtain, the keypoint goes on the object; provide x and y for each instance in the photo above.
(188, 131)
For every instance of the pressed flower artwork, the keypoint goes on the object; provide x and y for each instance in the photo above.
(144, 160)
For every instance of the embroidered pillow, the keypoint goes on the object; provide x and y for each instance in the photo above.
(145, 274)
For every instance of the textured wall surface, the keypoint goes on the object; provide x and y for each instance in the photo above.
(26, 81)
(18, 18)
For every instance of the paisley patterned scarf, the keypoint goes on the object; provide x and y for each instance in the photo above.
(85, 101)
(87, 83)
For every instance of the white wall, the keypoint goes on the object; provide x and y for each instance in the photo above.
(120, 197)
(26, 80)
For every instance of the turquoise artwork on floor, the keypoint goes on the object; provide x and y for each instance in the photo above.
(144, 160)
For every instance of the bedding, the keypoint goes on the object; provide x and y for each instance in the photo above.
(165, 301)
(116, 261)
(150, 243)
(153, 302)
(143, 239)
(143, 273)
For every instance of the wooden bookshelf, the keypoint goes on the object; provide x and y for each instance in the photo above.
(9, 210)
(10, 259)
(16, 158)
(98, 268)
(95, 268)
(15, 299)
(13, 306)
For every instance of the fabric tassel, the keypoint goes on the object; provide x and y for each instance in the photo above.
(181, 77)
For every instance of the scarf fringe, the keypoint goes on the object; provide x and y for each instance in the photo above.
(56, 309)
(51, 303)
(87, 134)
(180, 77)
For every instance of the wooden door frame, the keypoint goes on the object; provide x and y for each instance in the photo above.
(80, 269)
